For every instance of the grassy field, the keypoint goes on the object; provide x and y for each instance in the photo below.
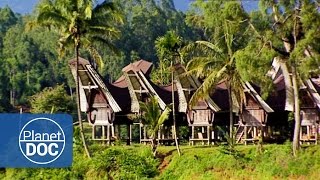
(137, 162)
(273, 162)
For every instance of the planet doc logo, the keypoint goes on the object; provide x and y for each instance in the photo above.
(42, 140)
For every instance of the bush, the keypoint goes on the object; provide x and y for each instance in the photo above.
(109, 163)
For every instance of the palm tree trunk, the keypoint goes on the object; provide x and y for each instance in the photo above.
(173, 113)
(78, 101)
(230, 108)
(297, 126)
(154, 146)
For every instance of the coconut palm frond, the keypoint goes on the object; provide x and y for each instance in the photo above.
(96, 56)
(150, 110)
(208, 85)
(107, 8)
(209, 45)
(163, 117)
(239, 96)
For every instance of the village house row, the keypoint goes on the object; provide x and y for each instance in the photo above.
(111, 105)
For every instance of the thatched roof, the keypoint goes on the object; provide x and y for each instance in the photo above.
(90, 79)
(187, 84)
(279, 68)
(258, 98)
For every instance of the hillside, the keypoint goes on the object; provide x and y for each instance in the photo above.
(136, 162)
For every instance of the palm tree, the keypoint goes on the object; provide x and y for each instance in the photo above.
(152, 116)
(80, 24)
(168, 49)
(215, 65)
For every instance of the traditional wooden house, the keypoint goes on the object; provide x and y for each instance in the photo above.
(96, 100)
(309, 131)
(253, 117)
(200, 116)
(250, 121)
(136, 79)
(282, 100)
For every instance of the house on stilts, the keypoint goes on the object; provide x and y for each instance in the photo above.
(112, 108)
(309, 98)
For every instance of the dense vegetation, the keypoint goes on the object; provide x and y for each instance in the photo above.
(137, 162)
(230, 44)
(30, 61)
(273, 162)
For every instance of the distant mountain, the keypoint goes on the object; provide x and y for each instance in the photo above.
(26, 6)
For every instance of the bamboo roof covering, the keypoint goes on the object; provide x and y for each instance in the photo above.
(280, 68)
(90, 79)
(258, 98)
(313, 91)
(187, 84)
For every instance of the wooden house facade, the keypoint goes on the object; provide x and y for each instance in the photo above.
(199, 116)
(141, 88)
(111, 105)
(96, 100)
(309, 98)
(253, 118)
(250, 121)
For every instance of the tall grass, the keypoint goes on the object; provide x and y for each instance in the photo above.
(107, 163)
(137, 162)
(274, 162)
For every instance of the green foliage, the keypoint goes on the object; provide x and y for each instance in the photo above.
(153, 116)
(215, 60)
(125, 164)
(145, 21)
(107, 163)
(52, 100)
(211, 17)
(85, 25)
(137, 162)
(230, 146)
(169, 51)
(275, 161)
(113, 64)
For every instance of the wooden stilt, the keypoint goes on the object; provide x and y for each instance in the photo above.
(172, 130)
(140, 135)
(300, 135)
(112, 131)
(208, 134)
(254, 132)
(159, 132)
(93, 132)
(144, 133)
(212, 135)
(316, 134)
(130, 133)
(108, 134)
(103, 132)
(245, 134)
(192, 135)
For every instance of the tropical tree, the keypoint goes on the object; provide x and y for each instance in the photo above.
(288, 30)
(154, 118)
(145, 21)
(214, 60)
(80, 24)
(169, 51)
(51, 100)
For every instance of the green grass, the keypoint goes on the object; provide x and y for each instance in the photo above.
(117, 162)
(274, 162)
(137, 162)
